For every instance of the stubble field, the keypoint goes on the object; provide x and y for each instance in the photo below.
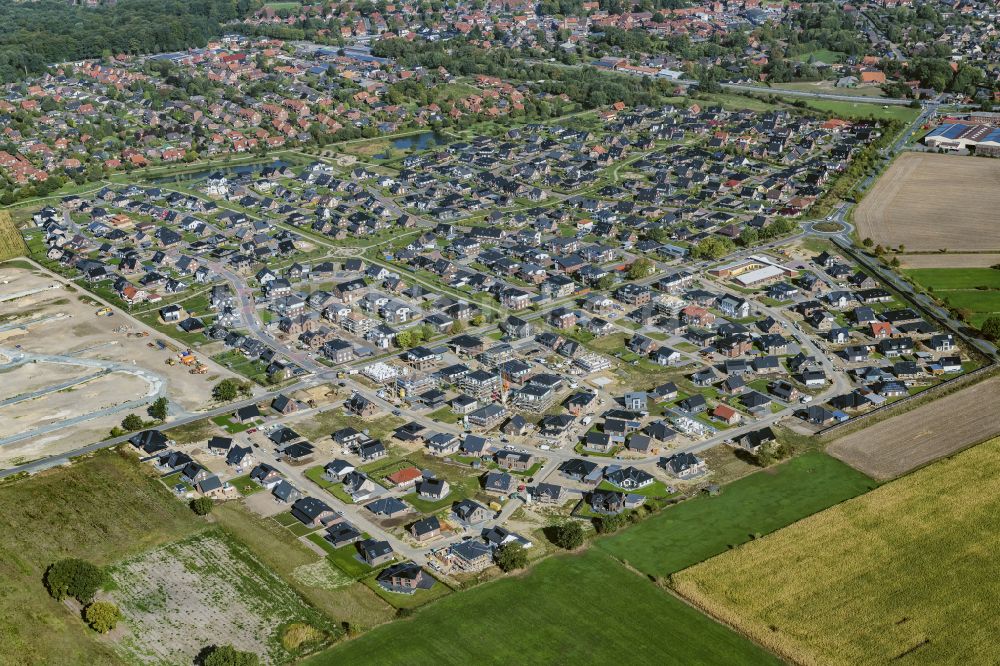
(927, 202)
(906, 573)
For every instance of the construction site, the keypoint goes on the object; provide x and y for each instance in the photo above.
(74, 367)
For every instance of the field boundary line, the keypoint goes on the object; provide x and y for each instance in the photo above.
(904, 405)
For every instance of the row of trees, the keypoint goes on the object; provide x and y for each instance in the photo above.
(78, 579)
(587, 87)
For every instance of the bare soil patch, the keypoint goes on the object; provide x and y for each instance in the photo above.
(202, 591)
(950, 260)
(61, 322)
(929, 202)
(907, 441)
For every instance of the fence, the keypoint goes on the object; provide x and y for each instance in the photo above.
(900, 406)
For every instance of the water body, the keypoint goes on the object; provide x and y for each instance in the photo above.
(421, 141)
(415, 143)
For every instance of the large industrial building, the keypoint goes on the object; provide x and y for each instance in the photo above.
(984, 139)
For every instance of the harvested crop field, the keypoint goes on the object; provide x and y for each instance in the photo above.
(906, 573)
(907, 441)
(950, 260)
(928, 202)
(206, 590)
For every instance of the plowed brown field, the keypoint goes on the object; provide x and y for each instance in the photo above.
(927, 201)
(939, 428)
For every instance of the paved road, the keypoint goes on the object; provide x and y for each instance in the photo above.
(154, 390)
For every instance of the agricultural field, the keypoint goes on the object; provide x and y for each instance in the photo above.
(950, 260)
(862, 110)
(700, 528)
(905, 573)
(103, 508)
(11, 243)
(902, 443)
(920, 191)
(205, 590)
(973, 289)
(955, 279)
(829, 88)
(559, 612)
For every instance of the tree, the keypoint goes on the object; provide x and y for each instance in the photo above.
(713, 247)
(102, 616)
(640, 268)
(991, 328)
(74, 578)
(606, 281)
(227, 655)
(132, 422)
(158, 410)
(478, 320)
(511, 556)
(404, 339)
(202, 505)
(229, 389)
(568, 535)
(766, 455)
(867, 242)
(456, 327)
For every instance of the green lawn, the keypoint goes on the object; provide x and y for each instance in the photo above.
(245, 485)
(444, 415)
(285, 519)
(655, 489)
(227, 423)
(315, 474)
(864, 110)
(255, 370)
(823, 55)
(697, 529)
(584, 609)
(941, 279)
(344, 558)
(397, 600)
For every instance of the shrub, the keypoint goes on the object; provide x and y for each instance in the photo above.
(74, 578)
(568, 535)
(991, 328)
(132, 422)
(511, 556)
(202, 505)
(298, 634)
(229, 389)
(227, 655)
(102, 616)
(611, 523)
